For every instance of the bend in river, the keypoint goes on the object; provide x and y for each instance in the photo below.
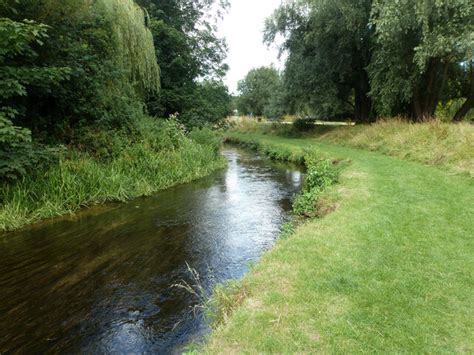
(102, 282)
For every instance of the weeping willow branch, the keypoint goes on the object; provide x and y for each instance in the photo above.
(134, 42)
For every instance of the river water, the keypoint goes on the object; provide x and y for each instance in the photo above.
(102, 282)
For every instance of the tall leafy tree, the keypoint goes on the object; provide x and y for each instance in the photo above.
(329, 47)
(188, 50)
(259, 92)
(416, 44)
(111, 58)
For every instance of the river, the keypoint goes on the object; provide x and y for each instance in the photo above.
(102, 281)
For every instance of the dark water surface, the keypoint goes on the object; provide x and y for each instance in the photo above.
(102, 282)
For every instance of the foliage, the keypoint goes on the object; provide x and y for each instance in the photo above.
(417, 42)
(375, 57)
(158, 156)
(133, 42)
(111, 64)
(188, 50)
(205, 136)
(304, 124)
(259, 92)
(328, 44)
(209, 104)
(18, 154)
(321, 173)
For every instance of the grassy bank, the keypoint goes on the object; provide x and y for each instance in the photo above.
(81, 180)
(390, 270)
(446, 145)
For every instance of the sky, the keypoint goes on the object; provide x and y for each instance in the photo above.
(243, 27)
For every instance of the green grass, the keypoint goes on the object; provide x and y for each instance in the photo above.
(389, 271)
(83, 181)
(446, 145)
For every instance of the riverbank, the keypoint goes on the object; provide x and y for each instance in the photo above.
(388, 271)
(446, 145)
(159, 160)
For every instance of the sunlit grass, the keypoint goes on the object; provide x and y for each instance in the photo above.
(389, 271)
(434, 142)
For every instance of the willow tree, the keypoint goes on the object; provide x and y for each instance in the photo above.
(134, 45)
(416, 43)
(132, 41)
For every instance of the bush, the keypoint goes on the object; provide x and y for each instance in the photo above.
(160, 134)
(321, 173)
(157, 134)
(18, 155)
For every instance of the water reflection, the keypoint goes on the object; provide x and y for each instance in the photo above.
(101, 282)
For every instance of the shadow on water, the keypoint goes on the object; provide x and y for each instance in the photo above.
(101, 282)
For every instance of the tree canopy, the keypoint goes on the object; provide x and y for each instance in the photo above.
(374, 58)
(259, 92)
(189, 51)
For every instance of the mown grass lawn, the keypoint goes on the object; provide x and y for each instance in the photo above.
(391, 270)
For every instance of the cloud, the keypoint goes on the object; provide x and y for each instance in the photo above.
(243, 29)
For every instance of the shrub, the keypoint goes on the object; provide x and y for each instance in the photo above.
(18, 155)
(321, 173)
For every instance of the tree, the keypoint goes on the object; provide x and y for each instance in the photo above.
(469, 103)
(210, 103)
(188, 50)
(258, 91)
(374, 57)
(17, 40)
(329, 47)
(416, 44)
(111, 58)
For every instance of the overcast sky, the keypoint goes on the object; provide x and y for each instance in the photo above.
(243, 28)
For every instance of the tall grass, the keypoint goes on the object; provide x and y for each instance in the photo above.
(433, 142)
(82, 181)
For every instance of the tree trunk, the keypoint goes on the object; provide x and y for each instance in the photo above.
(426, 94)
(462, 112)
(363, 103)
